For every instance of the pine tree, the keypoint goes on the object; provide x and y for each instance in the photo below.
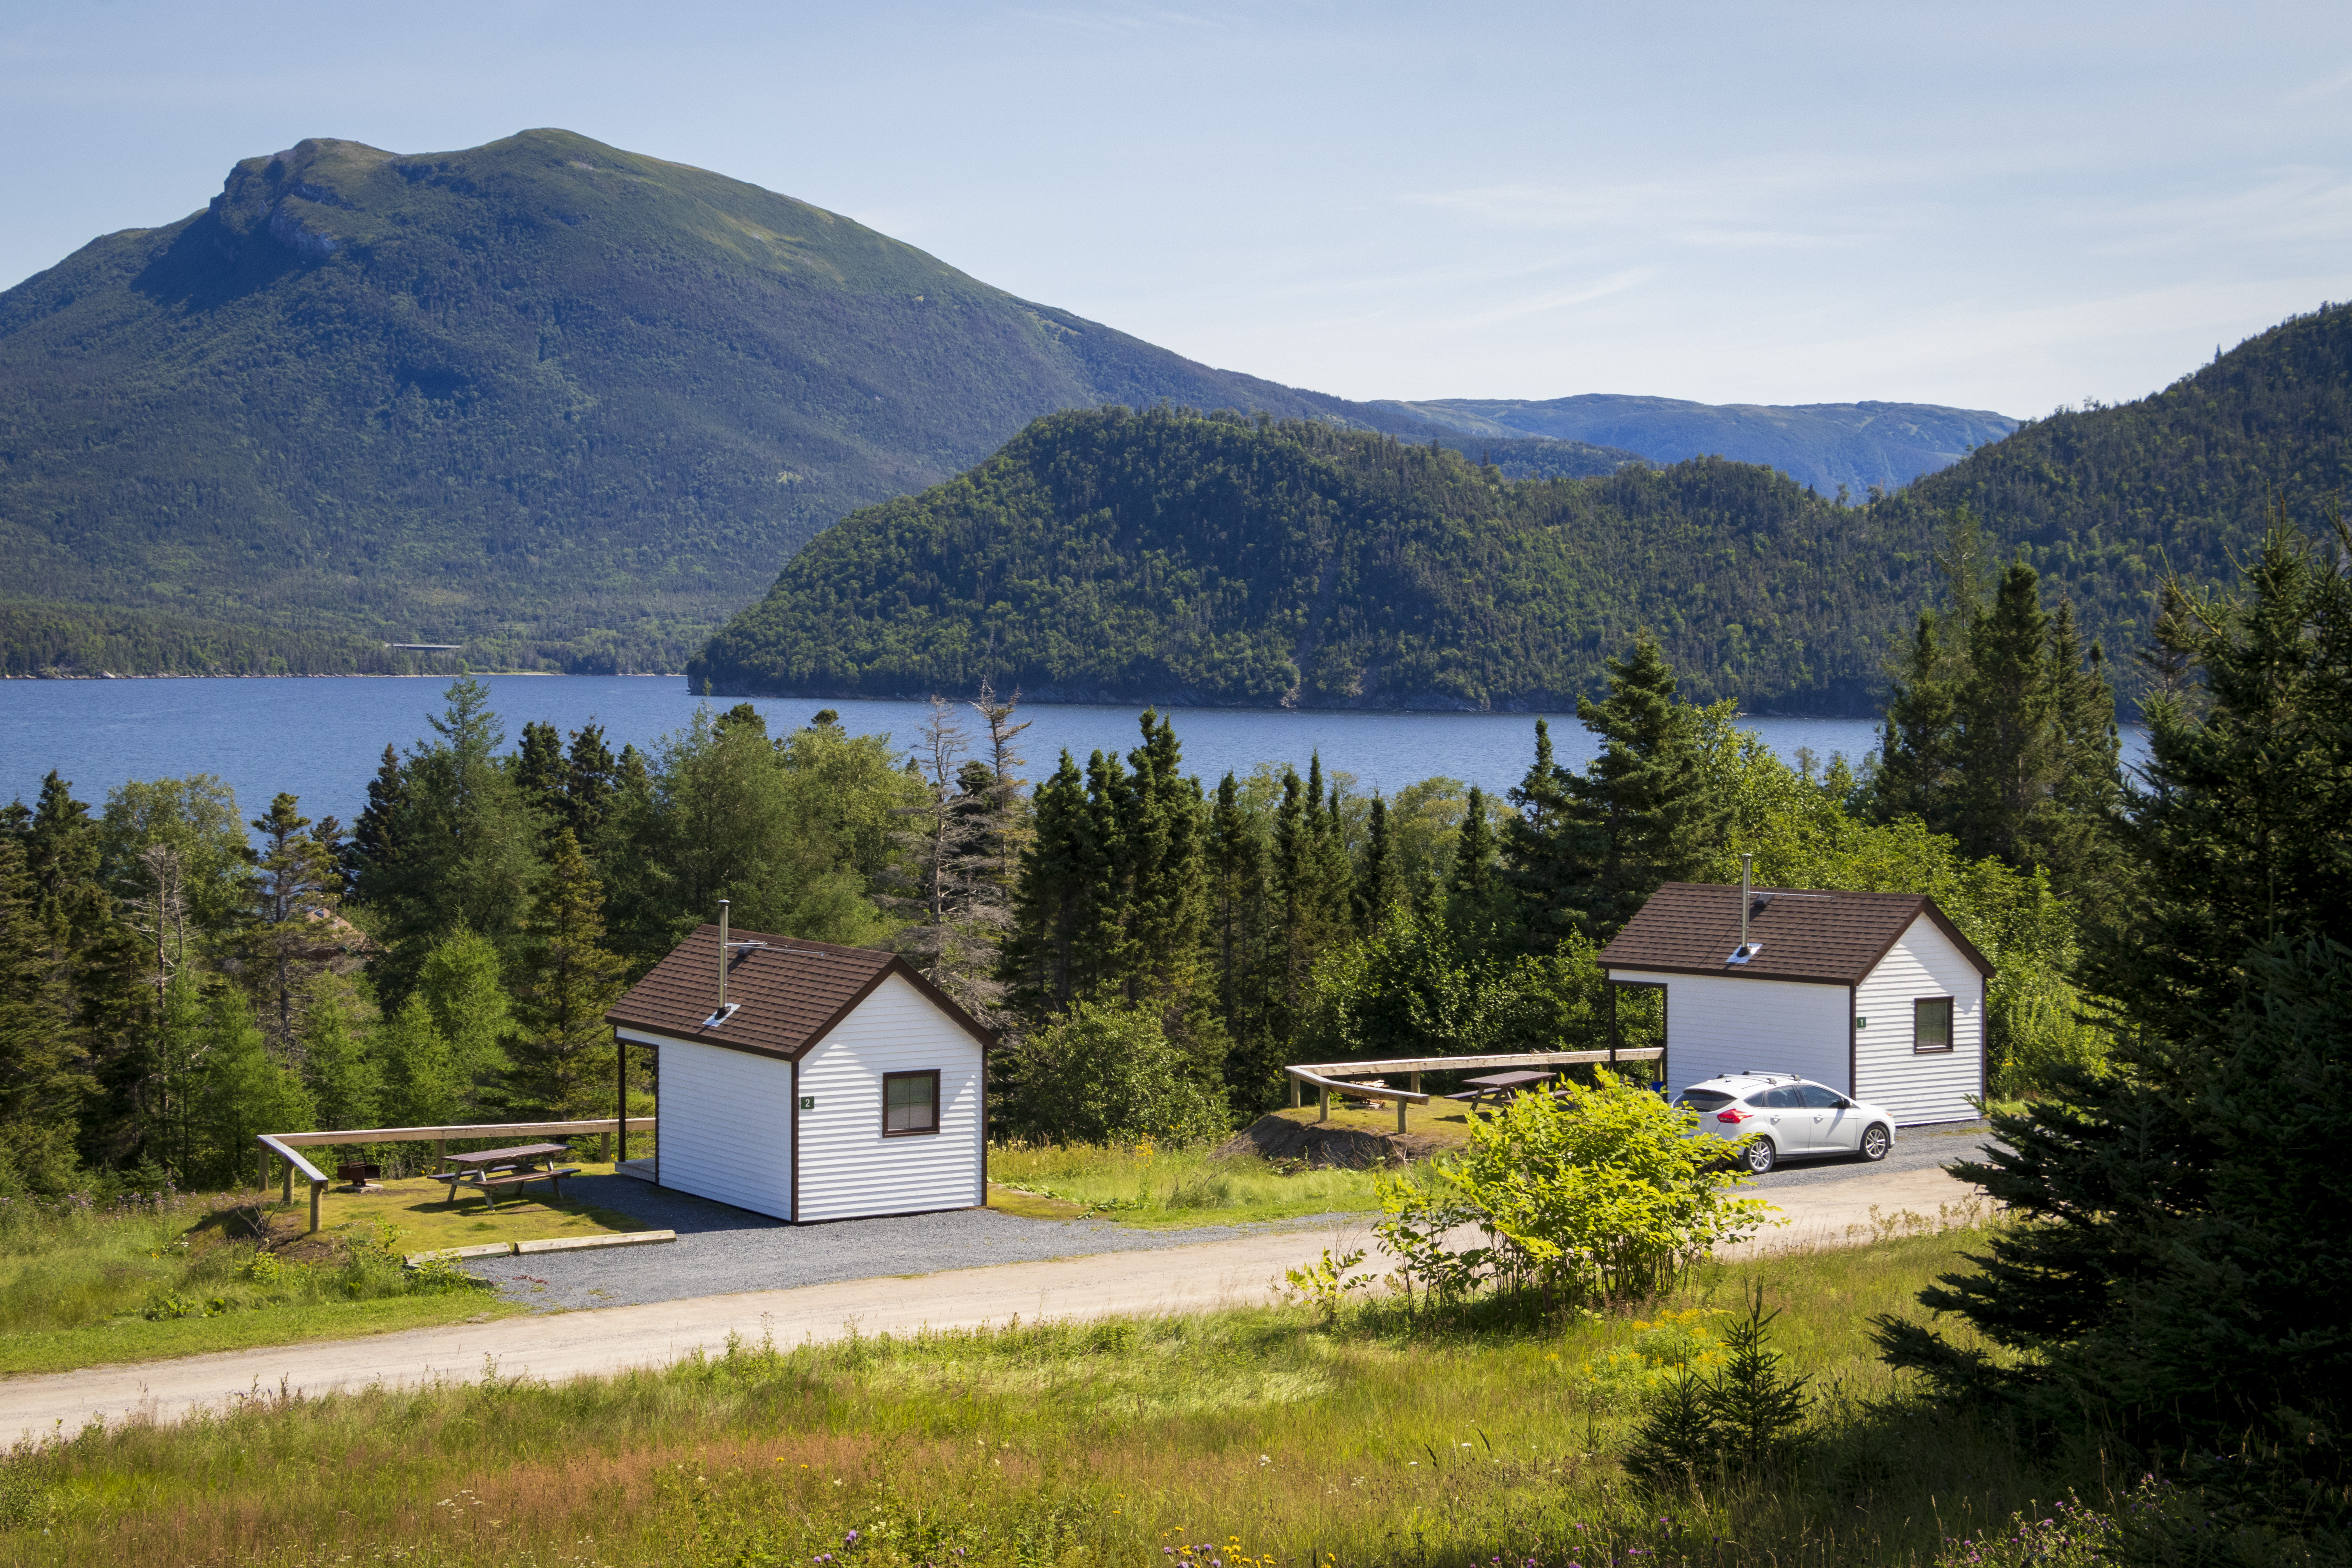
(1051, 894)
(539, 772)
(1544, 862)
(374, 842)
(299, 880)
(2179, 1275)
(1475, 901)
(2004, 739)
(43, 1079)
(2072, 835)
(1242, 946)
(424, 1084)
(591, 779)
(562, 1049)
(345, 1081)
(1916, 775)
(464, 987)
(1298, 906)
(1644, 812)
(1376, 881)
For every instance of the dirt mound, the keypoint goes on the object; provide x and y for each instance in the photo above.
(1323, 1144)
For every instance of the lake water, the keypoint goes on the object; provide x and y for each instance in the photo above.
(322, 739)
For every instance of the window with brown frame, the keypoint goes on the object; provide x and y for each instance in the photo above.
(910, 1104)
(1931, 1025)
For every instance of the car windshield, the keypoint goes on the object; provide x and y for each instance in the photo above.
(1703, 1099)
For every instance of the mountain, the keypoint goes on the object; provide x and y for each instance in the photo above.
(567, 405)
(2104, 499)
(1855, 446)
(1180, 558)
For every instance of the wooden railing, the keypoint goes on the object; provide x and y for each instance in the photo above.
(1324, 1077)
(287, 1146)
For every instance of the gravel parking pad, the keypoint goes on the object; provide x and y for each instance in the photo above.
(720, 1250)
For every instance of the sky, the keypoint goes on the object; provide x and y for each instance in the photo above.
(2000, 207)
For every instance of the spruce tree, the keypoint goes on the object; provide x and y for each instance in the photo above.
(1476, 904)
(1376, 881)
(2072, 835)
(1167, 895)
(540, 772)
(562, 1048)
(1643, 813)
(591, 778)
(1544, 859)
(1051, 894)
(44, 1083)
(297, 878)
(240, 1092)
(1916, 775)
(2004, 738)
(374, 842)
(2179, 1277)
(1243, 945)
(424, 1084)
(345, 1081)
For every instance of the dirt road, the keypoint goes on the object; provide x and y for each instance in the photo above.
(567, 1344)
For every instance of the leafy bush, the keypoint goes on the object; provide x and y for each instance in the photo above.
(1603, 1194)
(1108, 1074)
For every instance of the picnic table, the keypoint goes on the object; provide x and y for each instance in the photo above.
(1501, 1085)
(488, 1169)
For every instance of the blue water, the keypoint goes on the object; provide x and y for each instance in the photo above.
(321, 738)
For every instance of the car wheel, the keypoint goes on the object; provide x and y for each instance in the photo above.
(1876, 1140)
(1760, 1156)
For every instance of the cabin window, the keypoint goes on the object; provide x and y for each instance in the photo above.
(910, 1103)
(1931, 1025)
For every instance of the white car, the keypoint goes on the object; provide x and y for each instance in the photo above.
(1788, 1118)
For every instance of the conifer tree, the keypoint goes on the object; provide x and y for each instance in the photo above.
(1475, 906)
(43, 1084)
(1376, 882)
(591, 778)
(373, 844)
(955, 908)
(423, 1085)
(2004, 740)
(1543, 860)
(240, 1092)
(1916, 775)
(562, 1049)
(464, 987)
(2074, 835)
(297, 877)
(1167, 892)
(2181, 1272)
(540, 772)
(1052, 900)
(345, 1082)
(1297, 905)
(1243, 945)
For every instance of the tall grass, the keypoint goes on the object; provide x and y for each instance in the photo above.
(1151, 1186)
(1389, 1438)
(150, 1270)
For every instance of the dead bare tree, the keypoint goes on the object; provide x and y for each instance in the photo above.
(958, 906)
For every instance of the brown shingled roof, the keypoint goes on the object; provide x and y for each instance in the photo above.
(1833, 937)
(793, 992)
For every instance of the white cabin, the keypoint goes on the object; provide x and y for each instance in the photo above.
(1877, 995)
(837, 1084)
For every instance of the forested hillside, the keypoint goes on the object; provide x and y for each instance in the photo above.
(1179, 557)
(2105, 501)
(565, 403)
(1830, 445)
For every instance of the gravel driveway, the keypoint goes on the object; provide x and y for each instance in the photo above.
(720, 1250)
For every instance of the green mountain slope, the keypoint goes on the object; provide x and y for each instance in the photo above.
(1174, 557)
(2103, 500)
(563, 403)
(1856, 446)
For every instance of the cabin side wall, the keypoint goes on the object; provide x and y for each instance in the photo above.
(847, 1167)
(725, 1128)
(1726, 1024)
(1913, 1087)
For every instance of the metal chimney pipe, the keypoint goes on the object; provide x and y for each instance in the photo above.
(1747, 897)
(722, 957)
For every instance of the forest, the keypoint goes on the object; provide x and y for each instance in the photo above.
(2169, 1022)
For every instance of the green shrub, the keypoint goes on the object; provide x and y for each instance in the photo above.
(1604, 1195)
(1107, 1073)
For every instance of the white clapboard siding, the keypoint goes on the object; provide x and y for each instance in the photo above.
(725, 1128)
(1720, 1024)
(1919, 1089)
(847, 1167)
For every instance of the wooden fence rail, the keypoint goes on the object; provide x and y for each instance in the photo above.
(287, 1146)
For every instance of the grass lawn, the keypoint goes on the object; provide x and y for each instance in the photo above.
(81, 1287)
(1167, 1188)
(1263, 1435)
